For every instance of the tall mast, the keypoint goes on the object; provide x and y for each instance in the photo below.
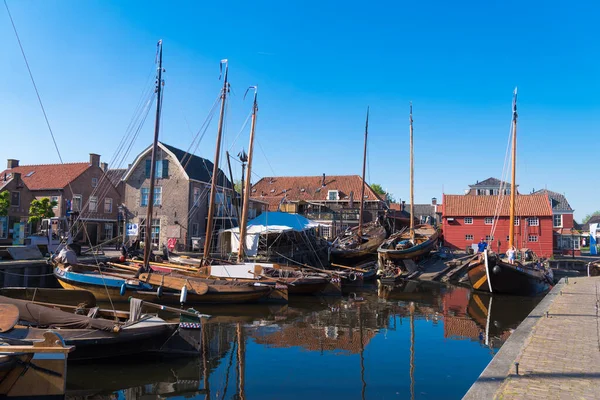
(213, 185)
(148, 239)
(511, 234)
(362, 191)
(247, 185)
(412, 179)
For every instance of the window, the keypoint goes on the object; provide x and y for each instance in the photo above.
(468, 220)
(488, 238)
(489, 220)
(252, 213)
(533, 221)
(196, 197)
(15, 199)
(332, 195)
(154, 228)
(507, 238)
(76, 204)
(144, 197)
(162, 168)
(195, 229)
(107, 205)
(557, 220)
(108, 231)
(221, 206)
(325, 230)
(517, 221)
(3, 227)
(469, 237)
(157, 196)
(93, 203)
(56, 199)
(533, 238)
(94, 182)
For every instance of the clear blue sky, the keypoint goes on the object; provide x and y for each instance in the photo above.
(318, 65)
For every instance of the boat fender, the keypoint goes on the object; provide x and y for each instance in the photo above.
(159, 292)
(496, 269)
(123, 289)
(352, 276)
(183, 296)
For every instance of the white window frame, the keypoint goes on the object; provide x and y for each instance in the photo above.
(196, 198)
(489, 238)
(158, 195)
(467, 219)
(94, 182)
(142, 203)
(470, 237)
(109, 201)
(533, 238)
(533, 221)
(488, 220)
(554, 221)
(330, 192)
(93, 200)
(56, 199)
(517, 221)
(76, 197)
(108, 227)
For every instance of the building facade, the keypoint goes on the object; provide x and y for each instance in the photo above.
(181, 197)
(79, 189)
(14, 225)
(467, 219)
(489, 187)
(333, 201)
(567, 237)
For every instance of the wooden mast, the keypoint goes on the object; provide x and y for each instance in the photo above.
(241, 358)
(247, 185)
(362, 191)
(412, 179)
(213, 185)
(511, 234)
(148, 238)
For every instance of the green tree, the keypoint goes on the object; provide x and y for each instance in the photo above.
(4, 203)
(237, 185)
(40, 209)
(379, 190)
(585, 219)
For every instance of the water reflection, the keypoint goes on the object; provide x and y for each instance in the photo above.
(408, 340)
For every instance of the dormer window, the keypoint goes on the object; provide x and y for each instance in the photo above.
(333, 195)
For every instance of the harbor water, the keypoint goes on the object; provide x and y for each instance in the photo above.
(377, 342)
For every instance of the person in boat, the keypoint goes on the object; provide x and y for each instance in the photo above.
(481, 246)
(511, 254)
(65, 256)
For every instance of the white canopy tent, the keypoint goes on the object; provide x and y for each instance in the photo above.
(265, 223)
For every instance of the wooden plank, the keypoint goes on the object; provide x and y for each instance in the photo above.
(176, 283)
(9, 317)
(24, 253)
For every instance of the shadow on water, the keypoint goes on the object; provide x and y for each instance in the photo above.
(409, 340)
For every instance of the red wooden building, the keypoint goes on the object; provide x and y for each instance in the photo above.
(467, 219)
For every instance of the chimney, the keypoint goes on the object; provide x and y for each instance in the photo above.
(403, 205)
(12, 163)
(95, 160)
(17, 177)
(323, 181)
(104, 166)
(433, 201)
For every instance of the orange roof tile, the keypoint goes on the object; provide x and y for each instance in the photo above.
(485, 206)
(310, 188)
(48, 176)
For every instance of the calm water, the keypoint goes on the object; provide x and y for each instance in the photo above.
(406, 342)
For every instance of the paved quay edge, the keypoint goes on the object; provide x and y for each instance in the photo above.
(494, 375)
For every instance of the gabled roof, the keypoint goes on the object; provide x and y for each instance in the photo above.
(419, 209)
(490, 182)
(193, 167)
(557, 201)
(48, 176)
(311, 189)
(593, 220)
(116, 175)
(532, 205)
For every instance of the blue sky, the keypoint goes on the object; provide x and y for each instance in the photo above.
(318, 65)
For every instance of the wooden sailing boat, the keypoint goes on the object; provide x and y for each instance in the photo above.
(417, 241)
(359, 243)
(490, 273)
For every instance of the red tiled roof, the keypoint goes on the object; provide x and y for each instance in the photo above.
(48, 176)
(310, 189)
(485, 206)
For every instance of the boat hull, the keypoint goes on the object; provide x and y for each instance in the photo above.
(503, 278)
(419, 250)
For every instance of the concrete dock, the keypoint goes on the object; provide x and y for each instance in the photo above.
(557, 349)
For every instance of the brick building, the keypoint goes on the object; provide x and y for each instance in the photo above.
(333, 201)
(20, 198)
(76, 187)
(181, 195)
(566, 236)
(467, 219)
